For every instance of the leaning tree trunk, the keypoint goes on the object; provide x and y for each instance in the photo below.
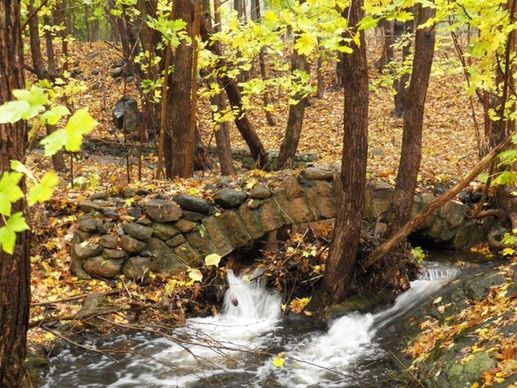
(250, 136)
(179, 142)
(14, 269)
(342, 256)
(295, 118)
(411, 153)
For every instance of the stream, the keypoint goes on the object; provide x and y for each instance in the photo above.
(237, 347)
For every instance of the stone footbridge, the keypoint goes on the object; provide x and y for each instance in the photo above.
(168, 232)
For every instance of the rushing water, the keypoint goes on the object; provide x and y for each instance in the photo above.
(236, 348)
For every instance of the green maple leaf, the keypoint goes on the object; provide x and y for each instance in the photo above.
(15, 224)
(42, 191)
(10, 192)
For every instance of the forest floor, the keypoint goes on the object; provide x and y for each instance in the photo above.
(449, 150)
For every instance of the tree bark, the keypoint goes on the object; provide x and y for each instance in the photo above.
(255, 16)
(179, 142)
(222, 134)
(35, 44)
(42, 72)
(401, 81)
(295, 118)
(51, 56)
(388, 34)
(342, 256)
(14, 269)
(411, 153)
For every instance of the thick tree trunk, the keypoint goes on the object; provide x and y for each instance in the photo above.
(411, 153)
(340, 265)
(179, 142)
(14, 269)
(295, 119)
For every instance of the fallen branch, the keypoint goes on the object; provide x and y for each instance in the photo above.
(407, 229)
(73, 298)
(72, 317)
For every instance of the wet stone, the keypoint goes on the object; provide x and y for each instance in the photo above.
(192, 203)
(86, 250)
(109, 241)
(161, 210)
(137, 231)
(102, 268)
(131, 245)
(80, 236)
(318, 173)
(260, 191)
(114, 253)
(175, 241)
(99, 195)
(192, 216)
(90, 225)
(91, 205)
(164, 231)
(185, 226)
(135, 268)
(230, 198)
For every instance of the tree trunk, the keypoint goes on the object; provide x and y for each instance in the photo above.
(58, 160)
(14, 269)
(401, 81)
(179, 142)
(255, 16)
(295, 119)
(257, 150)
(238, 5)
(51, 56)
(388, 34)
(320, 91)
(42, 72)
(35, 44)
(222, 134)
(341, 260)
(65, 20)
(411, 153)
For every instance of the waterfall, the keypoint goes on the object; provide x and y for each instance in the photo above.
(325, 359)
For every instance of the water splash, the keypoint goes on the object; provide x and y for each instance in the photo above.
(325, 360)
